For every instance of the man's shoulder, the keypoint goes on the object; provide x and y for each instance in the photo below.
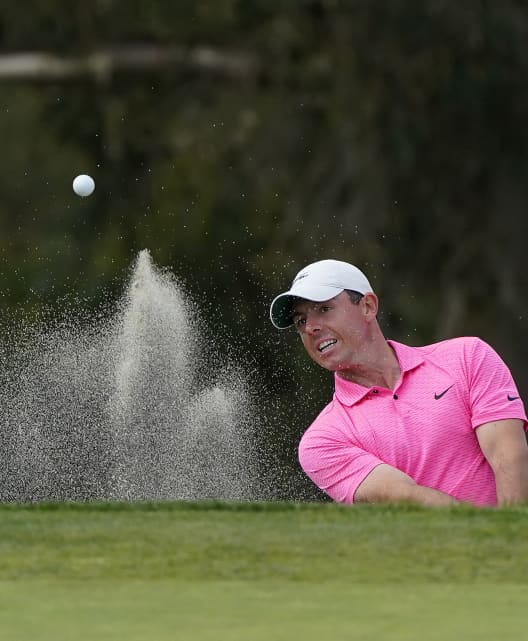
(329, 412)
(459, 350)
(458, 345)
(331, 417)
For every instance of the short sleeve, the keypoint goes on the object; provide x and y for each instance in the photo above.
(333, 463)
(492, 391)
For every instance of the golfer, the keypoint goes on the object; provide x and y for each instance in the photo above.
(433, 425)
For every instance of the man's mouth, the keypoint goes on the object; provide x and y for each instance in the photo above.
(326, 345)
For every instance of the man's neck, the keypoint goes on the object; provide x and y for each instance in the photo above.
(379, 368)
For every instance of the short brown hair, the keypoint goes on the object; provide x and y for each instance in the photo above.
(355, 297)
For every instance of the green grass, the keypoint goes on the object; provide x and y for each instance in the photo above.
(266, 610)
(261, 571)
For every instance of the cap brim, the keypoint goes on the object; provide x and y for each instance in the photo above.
(281, 307)
(280, 311)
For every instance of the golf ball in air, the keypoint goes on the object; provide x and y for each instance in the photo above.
(83, 185)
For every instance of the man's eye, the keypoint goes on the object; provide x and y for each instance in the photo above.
(325, 308)
(299, 322)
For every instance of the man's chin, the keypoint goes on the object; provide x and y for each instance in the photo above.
(331, 365)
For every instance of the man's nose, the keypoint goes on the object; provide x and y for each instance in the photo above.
(312, 325)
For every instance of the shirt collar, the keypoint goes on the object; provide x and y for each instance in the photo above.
(349, 393)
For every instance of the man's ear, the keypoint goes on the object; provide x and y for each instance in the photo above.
(370, 305)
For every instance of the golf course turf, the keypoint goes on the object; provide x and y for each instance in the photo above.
(254, 571)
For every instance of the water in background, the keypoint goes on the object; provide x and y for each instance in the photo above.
(133, 404)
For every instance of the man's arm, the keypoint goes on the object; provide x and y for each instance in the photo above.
(504, 445)
(387, 484)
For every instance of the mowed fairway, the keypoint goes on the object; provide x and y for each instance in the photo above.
(275, 571)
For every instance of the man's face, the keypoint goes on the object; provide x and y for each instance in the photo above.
(333, 332)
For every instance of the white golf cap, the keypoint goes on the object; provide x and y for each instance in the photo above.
(318, 282)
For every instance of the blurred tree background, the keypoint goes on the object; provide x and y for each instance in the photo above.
(239, 140)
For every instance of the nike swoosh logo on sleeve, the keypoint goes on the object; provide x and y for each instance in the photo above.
(513, 398)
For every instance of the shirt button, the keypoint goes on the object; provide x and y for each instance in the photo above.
(374, 391)
(395, 397)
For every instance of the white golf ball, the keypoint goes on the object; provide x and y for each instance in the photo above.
(83, 185)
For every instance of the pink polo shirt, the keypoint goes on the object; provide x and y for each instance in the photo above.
(424, 427)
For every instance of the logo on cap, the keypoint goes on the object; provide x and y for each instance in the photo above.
(300, 276)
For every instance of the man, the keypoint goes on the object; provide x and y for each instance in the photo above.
(433, 425)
